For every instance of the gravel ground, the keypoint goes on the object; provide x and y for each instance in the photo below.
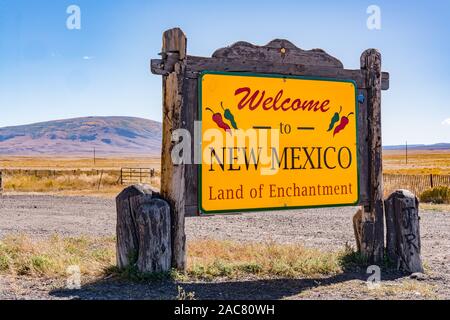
(327, 229)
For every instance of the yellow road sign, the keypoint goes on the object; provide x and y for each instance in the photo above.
(276, 142)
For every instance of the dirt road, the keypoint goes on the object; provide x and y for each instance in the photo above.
(327, 229)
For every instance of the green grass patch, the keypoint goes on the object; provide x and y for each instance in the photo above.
(437, 195)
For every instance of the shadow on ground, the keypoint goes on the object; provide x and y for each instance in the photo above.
(267, 289)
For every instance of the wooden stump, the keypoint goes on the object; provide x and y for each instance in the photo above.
(403, 232)
(143, 230)
(153, 221)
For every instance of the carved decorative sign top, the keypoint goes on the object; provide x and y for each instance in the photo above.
(278, 50)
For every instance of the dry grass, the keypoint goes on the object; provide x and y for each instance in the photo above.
(19, 255)
(70, 176)
(66, 184)
(105, 185)
(419, 162)
(82, 181)
(207, 259)
(60, 162)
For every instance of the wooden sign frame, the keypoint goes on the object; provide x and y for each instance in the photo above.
(179, 182)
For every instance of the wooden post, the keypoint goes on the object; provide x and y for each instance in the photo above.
(372, 235)
(172, 175)
(143, 230)
(403, 232)
(431, 180)
(1, 182)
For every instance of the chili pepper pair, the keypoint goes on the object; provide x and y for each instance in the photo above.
(218, 119)
(343, 123)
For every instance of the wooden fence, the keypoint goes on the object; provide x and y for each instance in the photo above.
(136, 175)
(415, 183)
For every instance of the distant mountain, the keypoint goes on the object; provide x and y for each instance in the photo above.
(79, 136)
(108, 135)
(436, 146)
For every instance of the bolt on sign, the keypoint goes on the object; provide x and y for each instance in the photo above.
(271, 142)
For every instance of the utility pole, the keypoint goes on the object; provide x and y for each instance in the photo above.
(406, 152)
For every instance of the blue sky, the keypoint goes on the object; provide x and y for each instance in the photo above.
(49, 72)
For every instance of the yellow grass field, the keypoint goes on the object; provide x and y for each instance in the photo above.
(419, 162)
(78, 176)
(70, 176)
(59, 163)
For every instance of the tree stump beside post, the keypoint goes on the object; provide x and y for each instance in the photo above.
(143, 230)
(154, 237)
(403, 232)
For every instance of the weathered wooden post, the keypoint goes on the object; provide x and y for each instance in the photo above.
(172, 174)
(372, 227)
(1, 182)
(403, 232)
(143, 230)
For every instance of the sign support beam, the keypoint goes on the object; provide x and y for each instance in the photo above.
(372, 238)
(172, 175)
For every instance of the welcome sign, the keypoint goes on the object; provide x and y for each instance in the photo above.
(272, 142)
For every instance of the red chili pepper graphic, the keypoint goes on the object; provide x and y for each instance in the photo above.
(344, 122)
(217, 118)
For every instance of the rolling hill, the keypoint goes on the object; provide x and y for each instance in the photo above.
(108, 135)
(436, 146)
(79, 136)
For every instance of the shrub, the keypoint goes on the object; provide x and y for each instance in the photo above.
(436, 195)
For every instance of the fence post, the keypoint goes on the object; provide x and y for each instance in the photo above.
(1, 182)
(431, 180)
(100, 181)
